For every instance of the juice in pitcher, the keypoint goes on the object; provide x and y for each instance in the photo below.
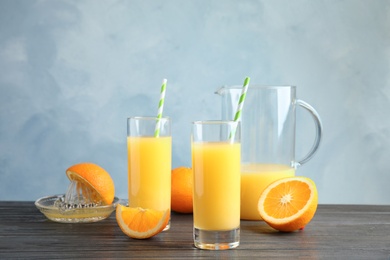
(254, 179)
(149, 172)
(216, 185)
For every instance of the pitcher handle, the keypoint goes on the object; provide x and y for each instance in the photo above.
(317, 140)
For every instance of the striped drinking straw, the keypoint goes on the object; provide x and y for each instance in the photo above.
(237, 116)
(160, 108)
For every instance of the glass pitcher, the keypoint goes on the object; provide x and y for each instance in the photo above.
(267, 138)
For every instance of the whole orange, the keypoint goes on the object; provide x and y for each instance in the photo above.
(181, 193)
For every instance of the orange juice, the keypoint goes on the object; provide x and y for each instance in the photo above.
(216, 185)
(149, 171)
(254, 179)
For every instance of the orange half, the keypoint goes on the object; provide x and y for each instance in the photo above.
(289, 204)
(141, 223)
(95, 178)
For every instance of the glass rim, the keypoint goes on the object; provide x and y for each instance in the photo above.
(214, 122)
(147, 118)
(260, 86)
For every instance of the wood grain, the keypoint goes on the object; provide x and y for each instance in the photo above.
(336, 232)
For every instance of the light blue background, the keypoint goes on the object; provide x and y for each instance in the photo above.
(71, 72)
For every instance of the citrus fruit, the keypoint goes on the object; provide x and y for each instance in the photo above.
(181, 189)
(141, 223)
(95, 178)
(289, 204)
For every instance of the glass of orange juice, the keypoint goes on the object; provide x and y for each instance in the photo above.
(149, 163)
(216, 164)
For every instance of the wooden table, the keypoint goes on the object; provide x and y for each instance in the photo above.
(336, 232)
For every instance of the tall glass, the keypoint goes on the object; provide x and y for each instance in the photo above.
(216, 164)
(149, 163)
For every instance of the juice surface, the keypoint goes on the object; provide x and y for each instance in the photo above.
(254, 179)
(149, 172)
(216, 185)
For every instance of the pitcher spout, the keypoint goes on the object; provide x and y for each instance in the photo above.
(221, 91)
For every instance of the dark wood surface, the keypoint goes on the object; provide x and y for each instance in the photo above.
(336, 232)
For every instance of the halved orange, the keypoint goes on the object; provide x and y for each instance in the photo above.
(289, 204)
(95, 178)
(141, 223)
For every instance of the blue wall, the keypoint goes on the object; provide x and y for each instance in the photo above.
(71, 72)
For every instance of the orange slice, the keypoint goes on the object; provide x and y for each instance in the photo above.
(289, 204)
(95, 178)
(181, 193)
(141, 223)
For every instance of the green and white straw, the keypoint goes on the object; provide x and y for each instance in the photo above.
(160, 108)
(237, 116)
